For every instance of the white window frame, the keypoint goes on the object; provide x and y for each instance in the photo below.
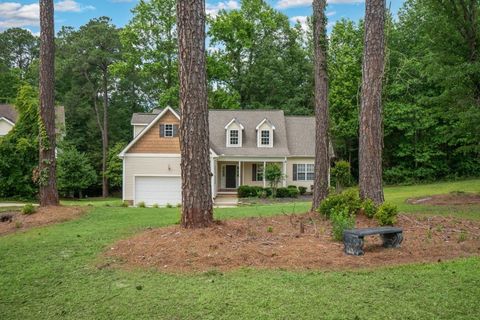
(170, 130)
(230, 137)
(305, 169)
(267, 138)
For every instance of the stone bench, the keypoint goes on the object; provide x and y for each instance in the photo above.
(353, 238)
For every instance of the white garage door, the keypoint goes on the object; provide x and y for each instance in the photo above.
(158, 190)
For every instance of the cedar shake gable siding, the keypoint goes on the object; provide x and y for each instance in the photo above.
(152, 142)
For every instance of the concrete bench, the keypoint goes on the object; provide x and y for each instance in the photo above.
(353, 238)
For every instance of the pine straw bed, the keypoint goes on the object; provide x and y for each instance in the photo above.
(277, 243)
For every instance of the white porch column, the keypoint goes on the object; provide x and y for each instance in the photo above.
(284, 172)
(263, 176)
(214, 175)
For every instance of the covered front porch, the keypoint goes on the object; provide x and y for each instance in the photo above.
(230, 173)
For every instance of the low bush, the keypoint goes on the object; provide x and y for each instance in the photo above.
(387, 214)
(141, 204)
(248, 191)
(347, 200)
(341, 221)
(369, 208)
(293, 192)
(28, 209)
(283, 193)
(155, 205)
(302, 190)
(168, 206)
(125, 204)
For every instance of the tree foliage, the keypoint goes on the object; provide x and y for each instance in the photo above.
(74, 171)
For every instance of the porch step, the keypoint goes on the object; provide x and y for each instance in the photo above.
(227, 194)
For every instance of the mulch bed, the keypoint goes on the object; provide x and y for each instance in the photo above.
(276, 243)
(16, 221)
(450, 199)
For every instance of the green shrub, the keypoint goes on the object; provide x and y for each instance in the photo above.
(244, 191)
(283, 193)
(125, 204)
(141, 204)
(341, 175)
(341, 221)
(168, 205)
(28, 209)
(369, 208)
(387, 214)
(262, 194)
(302, 190)
(348, 200)
(155, 205)
(293, 192)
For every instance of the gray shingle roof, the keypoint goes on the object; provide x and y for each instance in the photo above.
(293, 136)
(250, 120)
(8, 111)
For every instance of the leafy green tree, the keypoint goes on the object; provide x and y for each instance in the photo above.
(18, 49)
(273, 174)
(259, 59)
(74, 171)
(149, 53)
(19, 149)
(115, 166)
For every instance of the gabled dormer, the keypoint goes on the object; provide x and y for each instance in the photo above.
(234, 134)
(265, 134)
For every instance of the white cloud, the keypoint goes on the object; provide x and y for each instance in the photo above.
(303, 20)
(212, 9)
(331, 13)
(283, 4)
(122, 1)
(15, 14)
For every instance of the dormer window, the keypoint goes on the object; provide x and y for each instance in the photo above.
(234, 137)
(265, 134)
(265, 138)
(233, 134)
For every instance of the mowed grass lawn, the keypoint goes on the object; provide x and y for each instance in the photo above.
(52, 273)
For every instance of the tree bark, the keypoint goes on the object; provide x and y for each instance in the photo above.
(371, 125)
(322, 158)
(105, 134)
(197, 206)
(47, 163)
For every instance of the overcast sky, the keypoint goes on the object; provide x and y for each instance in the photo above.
(24, 13)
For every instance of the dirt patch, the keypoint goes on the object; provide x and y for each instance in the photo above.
(276, 242)
(454, 198)
(15, 221)
(250, 201)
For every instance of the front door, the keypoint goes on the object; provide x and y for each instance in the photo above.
(230, 176)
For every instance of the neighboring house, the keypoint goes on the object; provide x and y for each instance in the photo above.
(242, 143)
(9, 116)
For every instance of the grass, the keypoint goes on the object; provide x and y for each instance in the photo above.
(52, 273)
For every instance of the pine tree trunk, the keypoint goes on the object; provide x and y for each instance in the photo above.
(47, 163)
(105, 135)
(322, 158)
(197, 206)
(371, 126)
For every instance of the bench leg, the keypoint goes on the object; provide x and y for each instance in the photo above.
(392, 240)
(353, 244)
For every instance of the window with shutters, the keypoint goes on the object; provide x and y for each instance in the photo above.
(257, 172)
(168, 130)
(304, 172)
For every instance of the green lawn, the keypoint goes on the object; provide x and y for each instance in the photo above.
(51, 273)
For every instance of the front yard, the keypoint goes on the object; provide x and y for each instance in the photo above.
(58, 271)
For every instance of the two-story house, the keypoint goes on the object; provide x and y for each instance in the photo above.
(242, 143)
